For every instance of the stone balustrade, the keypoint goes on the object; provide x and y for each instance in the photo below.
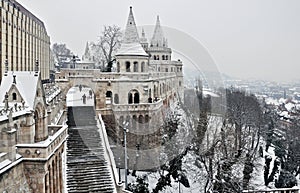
(137, 107)
(44, 149)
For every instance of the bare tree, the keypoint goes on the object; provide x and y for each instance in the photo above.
(61, 50)
(109, 42)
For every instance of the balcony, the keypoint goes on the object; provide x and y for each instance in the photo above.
(44, 149)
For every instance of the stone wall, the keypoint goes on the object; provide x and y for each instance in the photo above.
(14, 180)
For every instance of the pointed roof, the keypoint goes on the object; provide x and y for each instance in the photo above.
(130, 44)
(26, 84)
(158, 39)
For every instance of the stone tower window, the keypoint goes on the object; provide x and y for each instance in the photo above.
(143, 67)
(127, 66)
(135, 66)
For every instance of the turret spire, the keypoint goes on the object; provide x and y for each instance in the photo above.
(130, 44)
(158, 39)
(131, 33)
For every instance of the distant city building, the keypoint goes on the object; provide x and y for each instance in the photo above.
(24, 40)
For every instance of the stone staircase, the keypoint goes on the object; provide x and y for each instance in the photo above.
(81, 116)
(87, 169)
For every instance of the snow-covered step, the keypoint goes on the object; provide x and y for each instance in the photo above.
(87, 169)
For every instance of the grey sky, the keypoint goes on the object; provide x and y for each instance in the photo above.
(247, 38)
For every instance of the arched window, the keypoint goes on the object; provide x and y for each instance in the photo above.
(135, 66)
(108, 97)
(127, 66)
(130, 98)
(166, 57)
(116, 99)
(136, 98)
(133, 97)
(14, 96)
(108, 94)
(163, 57)
(157, 57)
(154, 57)
(143, 67)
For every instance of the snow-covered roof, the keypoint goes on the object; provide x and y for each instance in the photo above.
(132, 49)
(130, 44)
(26, 84)
(208, 92)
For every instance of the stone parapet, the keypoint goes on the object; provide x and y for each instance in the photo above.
(44, 149)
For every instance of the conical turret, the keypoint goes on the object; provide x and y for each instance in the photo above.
(131, 43)
(158, 39)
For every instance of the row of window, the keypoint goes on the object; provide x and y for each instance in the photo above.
(135, 66)
(163, 57)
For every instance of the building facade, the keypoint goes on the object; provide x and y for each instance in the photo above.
(145, 82)
(31, 150)
(23, 40)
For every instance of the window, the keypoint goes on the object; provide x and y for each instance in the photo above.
(133, 97)
(127, 66)
(116, 99)
(14, 96)
(163, 57)
(129, 98)
(136, 98)
(135, 66)
(143, 67)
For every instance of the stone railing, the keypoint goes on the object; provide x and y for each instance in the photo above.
(110, 158)
(44, 149)
(137, 107)
(279, 190)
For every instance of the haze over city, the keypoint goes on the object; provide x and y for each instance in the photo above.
(247, 39)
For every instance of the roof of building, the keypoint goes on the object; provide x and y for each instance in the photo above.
(26, 84)
(158, 39)
(130, 44)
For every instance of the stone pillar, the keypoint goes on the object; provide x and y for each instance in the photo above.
(47, 182)
(54, 177)
(50, 179)
(60, 174)
(57, 173)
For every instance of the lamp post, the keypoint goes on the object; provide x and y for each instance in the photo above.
(119, 170)
(125, 152)
(179, 178)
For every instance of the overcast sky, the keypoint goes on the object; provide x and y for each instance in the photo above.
(247, 38)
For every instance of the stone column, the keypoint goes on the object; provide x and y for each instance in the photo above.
(50, 179)
(54, 176)
(47, 182)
